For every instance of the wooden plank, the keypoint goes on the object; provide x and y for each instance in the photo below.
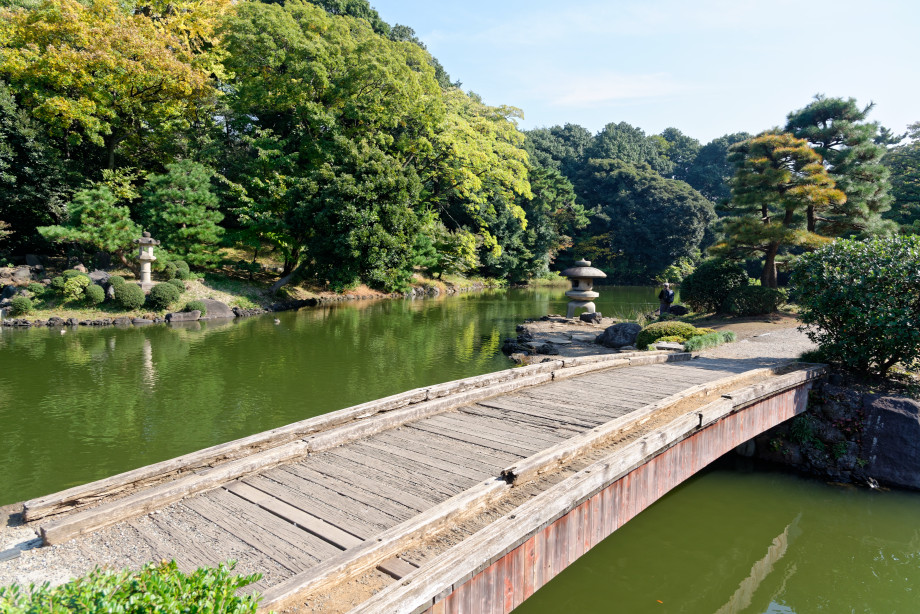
(471, 450)
(344, 519)
(317, 526)
(497, 434)
(426, 459)
(375, 500)
(479, 424)
(396, 568)
(453, 455)
(386, 544)
(452, 482)
(531, 417)
(419, 484)
(428, 427)
(538, 413)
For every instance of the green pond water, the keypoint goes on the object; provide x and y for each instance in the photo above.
(95, 402)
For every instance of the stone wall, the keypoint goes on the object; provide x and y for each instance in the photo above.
(851, 433)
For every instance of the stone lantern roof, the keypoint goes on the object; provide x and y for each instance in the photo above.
(146, 239)
(583, 270)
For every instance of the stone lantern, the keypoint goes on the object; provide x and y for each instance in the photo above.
(582, 293)
(146, 256)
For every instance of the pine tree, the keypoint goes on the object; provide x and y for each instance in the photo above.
(182, 211)
(838, 132)
(778, 180)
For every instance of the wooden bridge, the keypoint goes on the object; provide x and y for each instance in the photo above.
(460, 497)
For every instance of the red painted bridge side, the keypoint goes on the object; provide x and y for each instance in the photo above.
(507, 582)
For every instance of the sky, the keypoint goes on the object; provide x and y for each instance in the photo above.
(706, 67)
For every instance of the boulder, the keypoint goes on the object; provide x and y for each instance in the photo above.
(891, 440)
(79, 267)
(110, 292)
(6, 272)
(122, 321)
(678, 310)
(591, 318)
(669, 345)
(183, 316)
(141, 321)
(618, 335)
(99, 277)
(216, 309)
(33, 260)
(9, 292)
(22, 273)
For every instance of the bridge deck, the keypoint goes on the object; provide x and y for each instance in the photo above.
(288, 519)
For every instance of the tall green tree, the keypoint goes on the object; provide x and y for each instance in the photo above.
(560, 147)
(181, 209)
(710, 173)
(838, 131)
(645, 222)
(629, 144)
(778, 180)
(903, 162)
(681, 150)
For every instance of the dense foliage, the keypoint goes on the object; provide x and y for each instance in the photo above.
(129, 296)
(753, 300)
(657, 330)
(159, 588)
(709, 340)
(161, 296)
(859, 301)
(711, 283)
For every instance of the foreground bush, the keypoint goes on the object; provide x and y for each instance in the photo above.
(94, 294)
(711, 283)
(709, 340)
(753, 301)
(163, 295)
(653, 332)
(159, 588)
(178, 283)
(859, 300)
(116, 280)
(129, 296)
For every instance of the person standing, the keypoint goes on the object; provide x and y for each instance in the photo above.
(665, 298)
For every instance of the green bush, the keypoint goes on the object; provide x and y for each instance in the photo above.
(74, 287)
(116, 280)
(196, 304)
(20, 305)
(711, 283)
(36, 289)
(94, 294)
(178, 283)
(157, 587)
(182, 270)
(57, 284)
(753, 301)
(653, 332)
(671, 339)
(129, 296)
(71, 273)
(169, 270)
(858, 300)
(161, 296)
(709, 340)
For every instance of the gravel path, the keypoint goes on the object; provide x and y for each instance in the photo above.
(775, 344)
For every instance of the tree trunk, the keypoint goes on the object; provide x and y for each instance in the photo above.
(812, 220)
(768, 277)
(110, 145)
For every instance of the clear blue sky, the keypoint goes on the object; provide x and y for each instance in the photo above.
(707, 67)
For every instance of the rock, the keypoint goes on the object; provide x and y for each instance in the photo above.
(56, 321)
(678, 310)
(628, 348)
(6, 272)
(216, 309)
(22, 273)
(591, 318)
(9, 292)
(183, 316)
(79, 267)
(558, 340)
(891, 439)
(618, 335)
(110, 292)
(141, 321)
(72, 322)
(100, 278)
(668, 345)
(123, 321)
(33, 260)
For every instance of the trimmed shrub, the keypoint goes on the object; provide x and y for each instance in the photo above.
(20, 305)
(74, 287)
(671, 339)
(196, 304)
(161, 296)
(711, 283)
(57, 284)
(753, 301)
(36, 288)
(129, 296)
(182, 270)
(169, 270)
(859, 301)
(157, 587)
(709, 340)
(94, 294)
(71, 273)
(178, 283)
(116, 280)
(653, 332)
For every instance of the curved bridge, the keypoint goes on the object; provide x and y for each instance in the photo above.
(460, 497)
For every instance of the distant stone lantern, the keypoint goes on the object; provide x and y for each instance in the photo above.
(582, 292)
(146, 256)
